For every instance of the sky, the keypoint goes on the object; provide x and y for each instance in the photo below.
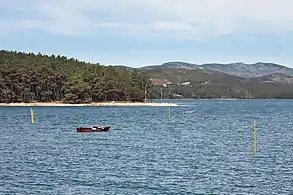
(150, 32)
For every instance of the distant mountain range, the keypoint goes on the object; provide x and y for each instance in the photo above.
(238, 69)
(26, 77)
(236, 80)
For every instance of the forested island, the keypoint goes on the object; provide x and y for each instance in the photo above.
(28, 77)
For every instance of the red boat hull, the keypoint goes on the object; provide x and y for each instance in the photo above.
(93, 129)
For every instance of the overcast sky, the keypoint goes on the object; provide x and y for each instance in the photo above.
(144, 32)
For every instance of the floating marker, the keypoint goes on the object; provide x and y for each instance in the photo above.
(32, 116)
(254, 138)
(169, 112)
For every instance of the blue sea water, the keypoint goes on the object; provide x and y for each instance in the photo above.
(206, 147)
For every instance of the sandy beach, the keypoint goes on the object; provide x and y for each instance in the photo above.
(90, 104)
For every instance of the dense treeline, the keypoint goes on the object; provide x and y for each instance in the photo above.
(36, 77)
(28, 77)
(217, 85)
(268, 91)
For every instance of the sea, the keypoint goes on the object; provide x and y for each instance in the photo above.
(199, 147)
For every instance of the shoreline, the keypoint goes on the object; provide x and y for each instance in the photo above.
(96, 104)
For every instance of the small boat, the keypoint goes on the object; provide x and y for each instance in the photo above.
(93, 129)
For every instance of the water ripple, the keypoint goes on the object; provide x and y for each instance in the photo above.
(205, 148)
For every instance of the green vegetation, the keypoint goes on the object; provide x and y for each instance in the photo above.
(41, 78)
(207, 85)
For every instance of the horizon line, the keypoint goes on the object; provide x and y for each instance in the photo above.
(151, 64)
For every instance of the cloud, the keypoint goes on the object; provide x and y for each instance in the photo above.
(188, 19)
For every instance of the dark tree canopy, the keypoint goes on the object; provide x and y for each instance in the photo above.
(28, 77)
(42, 78)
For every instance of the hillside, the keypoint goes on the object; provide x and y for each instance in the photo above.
(200, 83)
(40, 78)
(28, 77)
(276, 78)
(237, 69)
(249, 70)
